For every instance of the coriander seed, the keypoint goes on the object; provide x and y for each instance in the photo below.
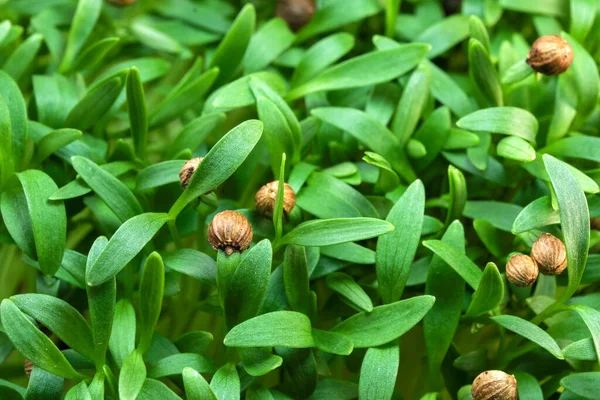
(186, 173)
(550, 55)
(521, 270)
(494, 385)
(296, 13)
(550, 254)
(267, 196)
(230, 231)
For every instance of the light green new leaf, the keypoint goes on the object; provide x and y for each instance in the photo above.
(272, 39)
(124, 245)
(159, 174)
(378, 372)
(196, 387)
(351, 291)
(581, 350)
(277, 133)
(537, 214)
(504, 120)
(446, 91)
(331, 342)
(529, 331)
(226, 382)
(33, 344)
(458, 194)
(86, 15)
(132, 376)
(174, 364)
(13, 125)
(445, 34)
(412, 104)
(279, 328)
(195, 132)
(152, 287)
(94, 54)
(484, 74)
(136, 105)
(154, 389)
(543, 7)
(78, 187)
(20, 60)
(239, 94)
(220, 162)
(324, 232)
(122, 337)
(574, 217)
(396, 250)
(515, 148)
(489, 294)
(385, 323)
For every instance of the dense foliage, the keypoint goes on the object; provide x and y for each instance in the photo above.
(423, 151)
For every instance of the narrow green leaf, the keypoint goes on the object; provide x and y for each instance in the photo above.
(44, 385)
(280, 328)
(79, 392)
(259, 361)
(574, 217)
(122, 337)
(301, 366)
(544, 7)
(591, 318)
(196, 387)
(396, 250)
(385, 323)
(54, 141)
(458, 194)
(277, 133)
(445, 34)
(195, 132)
(272, 39)
(515, 148)
(378, 372)
(152, 286)
(226, 382)
(95, 104)
(174, 364)
(153, 389)
(331, 342)
(86, 15)
(583, 384)
(581, 350)
(6, 154)
(484, 74)
(239, 93)
(529, 331)
(16, 131)
(94, 54)
(297, 282)
(22, 57)
(157, 175)
(193, 263)
(136, 105)
(220, 162)
(504, 120)
(350, 252)
(489, 294)
(537, 214)
(132, 376)
(124, 245)
(459, 262)
(412, 104)
(349, 290)
(326, 232)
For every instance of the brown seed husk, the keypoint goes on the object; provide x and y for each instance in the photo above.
(28, 367)
(595, 223)
(296, 13)
(550, 254)
(494, 385)
(267, 196)
(120, 3)
(521, 270)
(230, 231)
(550, 55)
(186, 173)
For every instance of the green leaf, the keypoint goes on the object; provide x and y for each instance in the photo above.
(331, 342)
(272, 39)
(96, 103)
(385, 323)
(504, 120)
(48, 219)
(152, 287)
(196, 387)
(136, 105)
(124, 245)
(78, 187)
(365, 70)
(483, 73)
(157, 175)
(528, 386)
(489, 294)
(54, 141)
(122, 337)
(279, 328)
(448, 288)
(574, 217)
(351, 291)
(153, 389)
(226, 382)
(479, 32)
(529, 331)
(297, 282)
(583, 384)
(371, 133)
(13, 125)
(458, 194)
(174, 364)
(378, 372)
(86, 15)
(277, 133)
(195, 132)
(446, 91)
(94, 54)
(247, 287)
(278, 207)
(22, 57)
(59, 317)
(544, 7)
(396, 250)
(259, 361)
(458, 261)
(132, 376)
(239, 94)
(301, 366)
(321, 55)
(392, 7)
(537, 214)
(334, 389)
(44, 385)
(79, 392)
(193, 263)
(33, 344)
(518, 72)
(591, 318)
(220, 162)
(114, 193)
(581, 350)
(515, 148)
(412, 104)
(230, 52)
(6, 154)
(326, 232)
(351, 252)
(445, 34)
(501, 215)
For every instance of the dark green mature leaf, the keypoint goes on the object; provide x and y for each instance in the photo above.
(385, 323)
(331, 342)
(196, 387)
(277, 133)
(529, 331)
(448, 288)
(259, 361)
(279, 328)
(6, 162)
(483, 73)
(226, 382)
(48, 219)
(574, 217)
(85, 18)
(459, 262)
(378, 372)
(350, 291)
(122, 337)
(365, 70)
(125, 244)
(136, 104)
(193, 263)
(591, 318)
(504, 120)
(297, 282)
(396, 250)
(528, 386)
(489, 294)
(114, 193)
(152, 286)
(584, 384)
(95, 53)
(17, 114)
(350, 252)
(581, 350)
(195, 132)
(61, 318)
(301, 366)
(54, 141)
(220, 162)
(535, 215)
(247, 287)
(544, 7)
(326, 232)
(370, 132)
(174, 365)
(33, 344)
(157, 175)
(78, 187)
(231, 50)
(44, 385)
(132, 376)
(500, 215)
